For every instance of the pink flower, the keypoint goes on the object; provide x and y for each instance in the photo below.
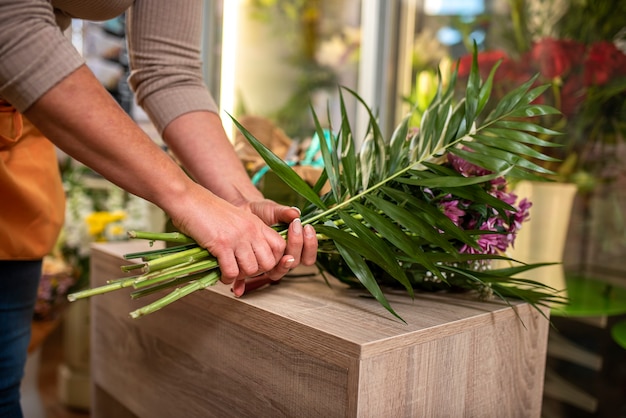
(452, 210)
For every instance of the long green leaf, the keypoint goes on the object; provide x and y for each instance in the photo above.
(375, 249)
(396, 236)
(331, 167)
(517, 136)
(358, 266)
(515, 125)
(513, 159)
(449, 181)
(472, 92)
(431, 215)
(282, 169)
(412, 222)
(348, 153)
(513, 147)
(511, 100)
(485, 89)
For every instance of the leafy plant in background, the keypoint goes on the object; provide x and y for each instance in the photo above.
(319, 50)
(396, 204)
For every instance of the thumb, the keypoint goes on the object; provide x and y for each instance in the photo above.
(287, 214)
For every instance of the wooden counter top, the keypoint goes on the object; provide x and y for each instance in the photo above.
(302, 348)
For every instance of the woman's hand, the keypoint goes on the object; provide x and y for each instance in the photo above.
(301, 244)
(241, 238)
(200, 144)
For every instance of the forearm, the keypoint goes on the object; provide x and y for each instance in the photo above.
(82, 119)
(198, 140)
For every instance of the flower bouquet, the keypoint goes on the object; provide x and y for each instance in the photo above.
(426, 208)
(56, 281)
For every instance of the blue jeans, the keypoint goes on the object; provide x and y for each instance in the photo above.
(19, 281)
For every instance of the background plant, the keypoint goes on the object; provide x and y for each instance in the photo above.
(96, 211)
(321, 48)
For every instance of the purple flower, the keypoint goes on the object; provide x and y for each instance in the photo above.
(465, 168)
(452, 210)
(468, 215)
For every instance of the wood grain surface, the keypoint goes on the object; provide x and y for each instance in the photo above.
(304, 349)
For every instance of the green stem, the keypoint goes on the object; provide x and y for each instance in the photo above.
(175, 272)
(151, 254)
(161, 236)
(180, 257)
(163, 286)
(208, 280)
(109, 287)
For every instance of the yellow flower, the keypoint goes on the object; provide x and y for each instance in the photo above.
(116, 230)
(98, 221)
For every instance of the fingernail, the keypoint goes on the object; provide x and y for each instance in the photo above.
(297, 226)
(297, 208)
(309, 231)
(289, 263)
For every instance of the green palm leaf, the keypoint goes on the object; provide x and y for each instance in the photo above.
(281, 168)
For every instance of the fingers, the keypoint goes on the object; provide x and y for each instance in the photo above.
(309, 248)
(270, 257)
(272, 213)
(239, 287)
(295, 240)
(301, 250)
(289, 214)
(250, 260)
(282, 268)
(257, 282)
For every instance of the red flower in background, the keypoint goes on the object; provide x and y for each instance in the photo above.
(486, 60)
(556, 57)
(588, 87)
(571, 66)
(573, 95)
(604, 62)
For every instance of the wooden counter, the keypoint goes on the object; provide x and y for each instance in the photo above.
(302, 349)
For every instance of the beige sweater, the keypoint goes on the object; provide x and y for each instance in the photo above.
(164, 50)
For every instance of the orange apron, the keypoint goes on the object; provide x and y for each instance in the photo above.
(32, 200)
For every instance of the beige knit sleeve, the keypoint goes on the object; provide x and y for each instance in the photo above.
(164, 39)
(34, 53)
